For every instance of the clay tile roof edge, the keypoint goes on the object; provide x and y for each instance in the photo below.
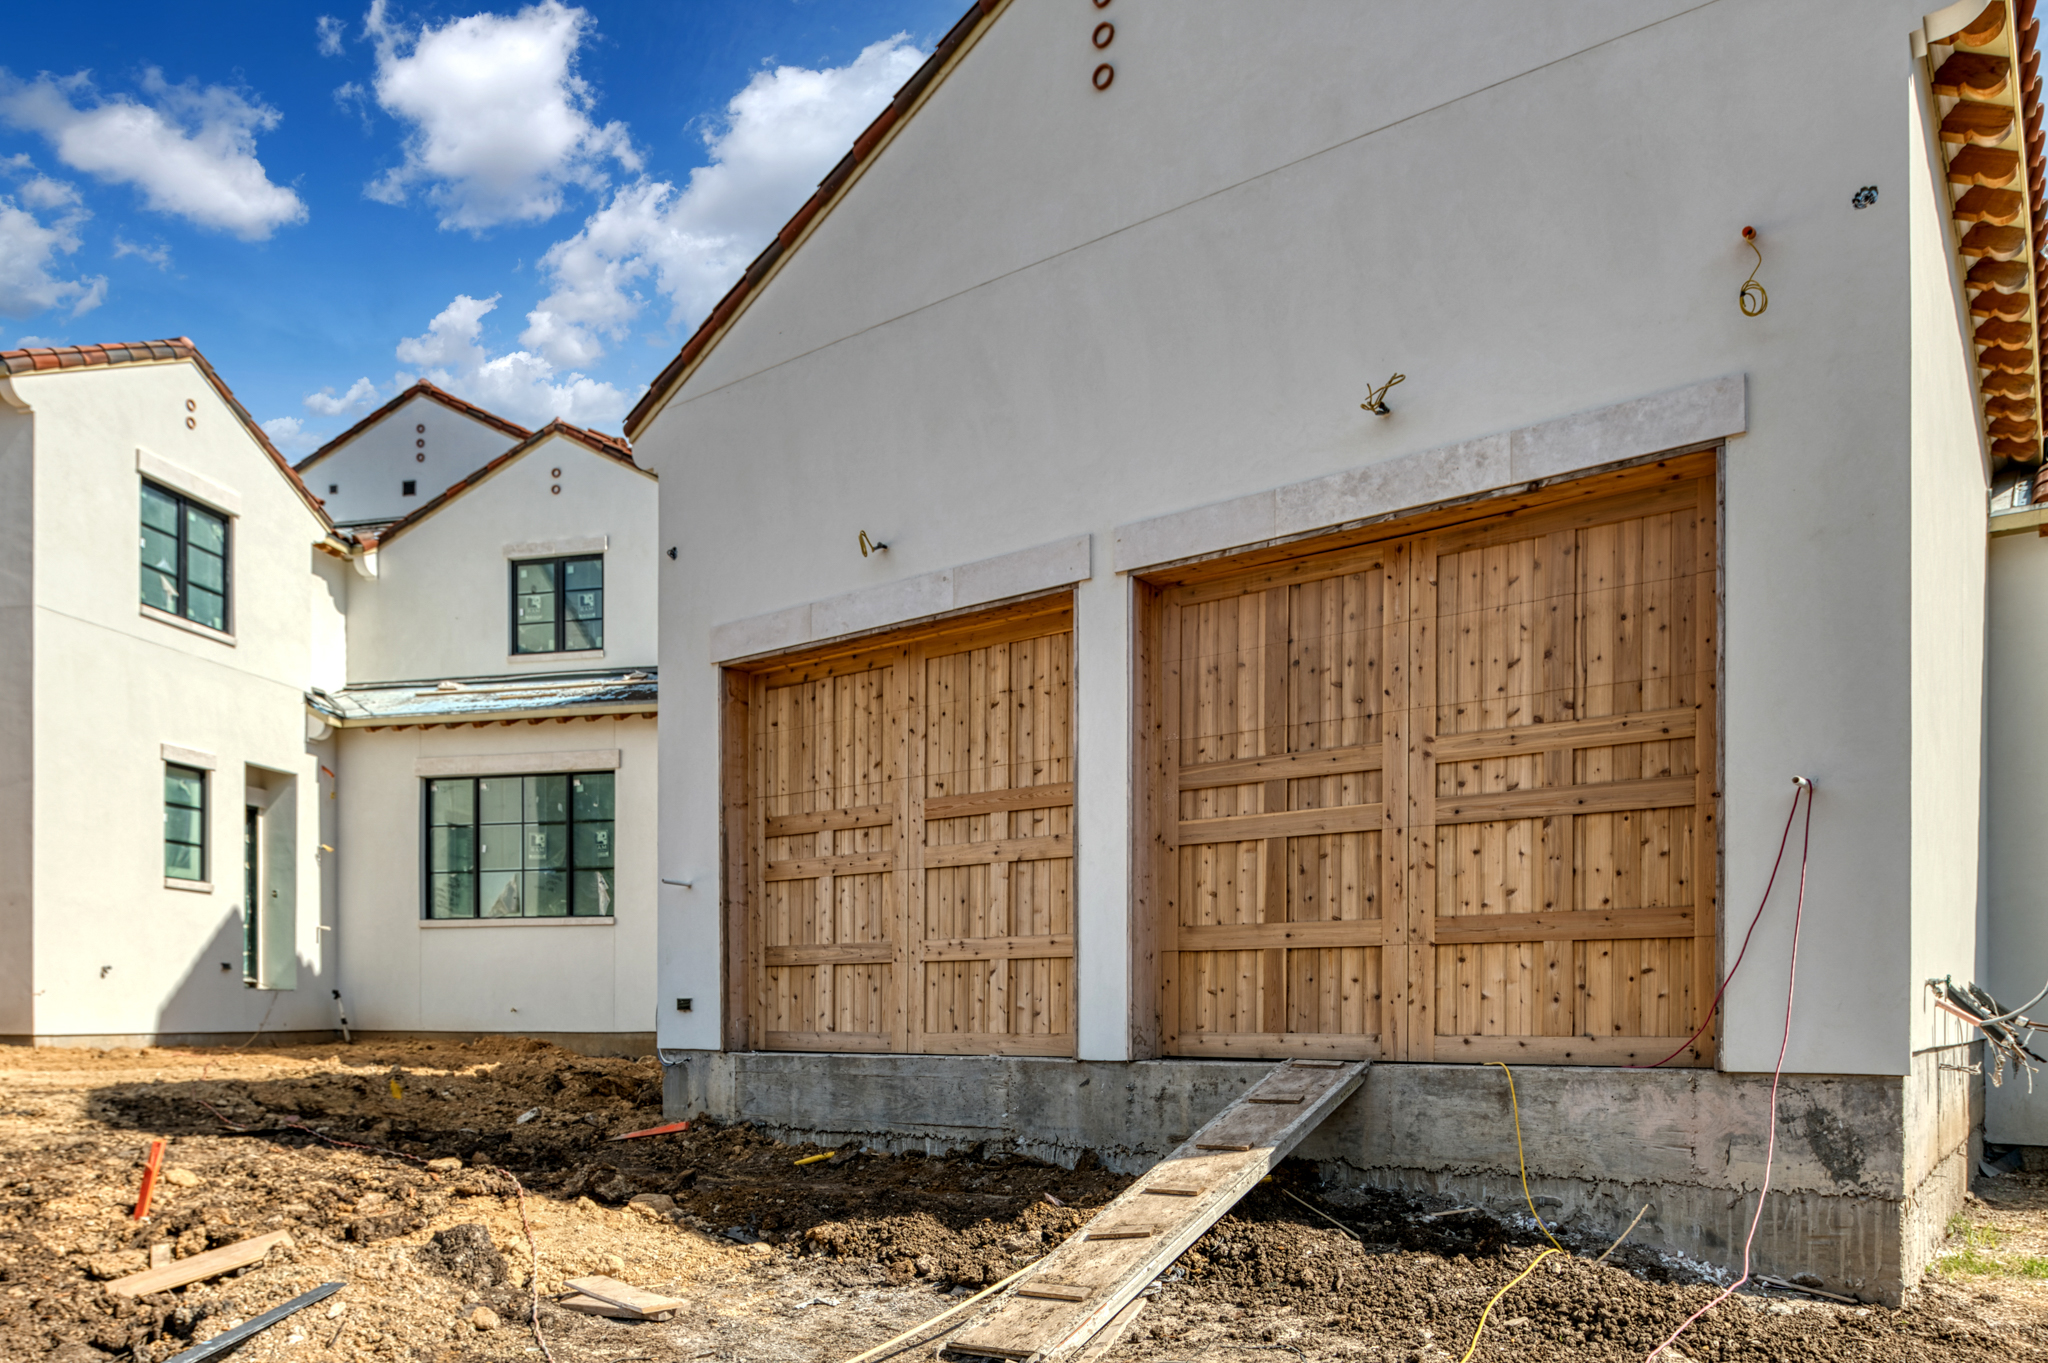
(423, 389)
(971, 25)
(43, 360)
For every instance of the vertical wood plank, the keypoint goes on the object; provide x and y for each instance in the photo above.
(1703, 563)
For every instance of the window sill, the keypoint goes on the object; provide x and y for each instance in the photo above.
(150, 612)
(194, 886)
(517, 922)
(574, 655)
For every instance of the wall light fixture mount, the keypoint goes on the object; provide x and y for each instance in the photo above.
(1753, 298)
(871, 546)
(1376, 400)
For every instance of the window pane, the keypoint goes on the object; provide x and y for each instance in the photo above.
(593, 844)
(547, 799)
(498, 848)
(159, 509)
(159, 550)
(584, 605)
(206, 608)
(583, 634)
(500, 798)
(183, 786)
(537, 638)
(594, 893)
(181, 862)
(534, 577)
(206, 570)
(451, 897)
(205, 531)
(583, 574)
(159, 590)
(535, 608)
(547, 846)
(593, 795)
(500, 894)
(452, 801)
(182, 825)
(451, 849)
(547, 894)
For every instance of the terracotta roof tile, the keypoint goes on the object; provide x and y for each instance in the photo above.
(47, 359)
(863, 147)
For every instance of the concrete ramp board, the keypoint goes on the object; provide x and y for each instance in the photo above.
(1076, 1290)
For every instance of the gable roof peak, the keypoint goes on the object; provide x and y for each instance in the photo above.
(420, 388)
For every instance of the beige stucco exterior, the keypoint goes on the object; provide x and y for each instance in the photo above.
(98, 692)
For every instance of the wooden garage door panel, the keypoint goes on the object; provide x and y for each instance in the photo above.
(1276, 749)
(829, 895)
(994, 956)
(1487, 745)
(909, 854)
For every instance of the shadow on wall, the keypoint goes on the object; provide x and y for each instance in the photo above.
(213, 999)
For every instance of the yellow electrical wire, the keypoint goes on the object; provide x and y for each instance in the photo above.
(1496, 1298)
(1515, 1107)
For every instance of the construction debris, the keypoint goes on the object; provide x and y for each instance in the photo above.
(210, 1264)
(670, 1129)
(627, 1301)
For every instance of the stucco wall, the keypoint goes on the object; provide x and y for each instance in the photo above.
(17, 728)
(404, 974)
(1045, 311)
(441, 601)
(2016, 804)
(116, 951)
(1949, 485)
(370, 471)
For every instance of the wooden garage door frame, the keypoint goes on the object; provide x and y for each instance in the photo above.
(1411, 938)
(1035, 840)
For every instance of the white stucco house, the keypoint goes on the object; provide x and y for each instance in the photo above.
(400, 771)
(1214, 702)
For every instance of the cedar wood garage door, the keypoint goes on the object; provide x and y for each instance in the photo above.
(900, 814)
(1448, 794)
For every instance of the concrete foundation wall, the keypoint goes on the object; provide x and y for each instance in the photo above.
(1847, 1204)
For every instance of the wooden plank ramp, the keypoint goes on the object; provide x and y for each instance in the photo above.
(1052, 1315)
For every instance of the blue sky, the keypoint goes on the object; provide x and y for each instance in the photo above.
(328, 199)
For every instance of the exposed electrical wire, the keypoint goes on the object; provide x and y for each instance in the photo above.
(2000, 1027)
(1805, 787)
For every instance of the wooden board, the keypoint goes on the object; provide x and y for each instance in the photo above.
(1453, 792)
(592, 1306)
(907, 854)
(194, 1268)
(1137, 1237)
(623, 1295)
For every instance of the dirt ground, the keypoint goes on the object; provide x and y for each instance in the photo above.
(812, 1263)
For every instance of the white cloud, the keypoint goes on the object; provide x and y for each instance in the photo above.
(158, 255)
(327, 29)
(518, 384)
(780, 136)
(288, 433)
(191, 150)
(29, 246)
(361, 393)
(499, 120)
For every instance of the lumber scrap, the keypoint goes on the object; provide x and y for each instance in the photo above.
(211, 1264)
(631, 1302)
(1079, 1289)
(591, 1306)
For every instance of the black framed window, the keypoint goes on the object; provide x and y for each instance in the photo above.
(184, 822)
(520, 846)
(558, 604)
(184, 558)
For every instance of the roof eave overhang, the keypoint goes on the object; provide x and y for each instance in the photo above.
(1983, 80)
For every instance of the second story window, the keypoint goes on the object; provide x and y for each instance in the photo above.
(558, 604)
(184, 558)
